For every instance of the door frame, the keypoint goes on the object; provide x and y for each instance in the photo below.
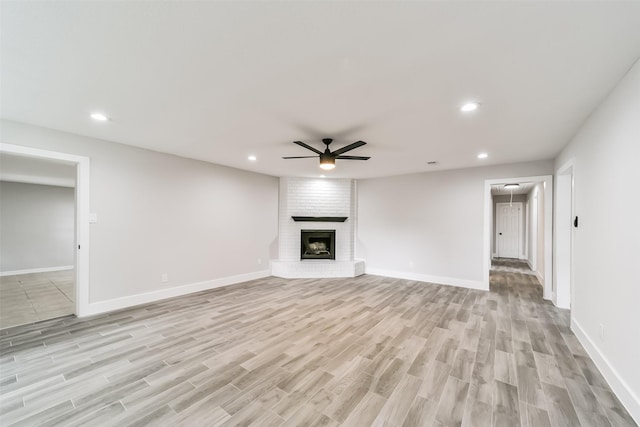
(564, 232)
(520, 240)
(82, 164)
(532, 257)
(547, 181)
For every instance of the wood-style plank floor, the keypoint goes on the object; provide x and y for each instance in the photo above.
(364, 351)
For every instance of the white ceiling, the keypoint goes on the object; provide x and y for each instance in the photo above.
(218, 81)
(36, 171)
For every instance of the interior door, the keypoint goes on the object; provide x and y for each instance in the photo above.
(508, 229)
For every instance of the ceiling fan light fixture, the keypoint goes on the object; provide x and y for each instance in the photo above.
(327, 163)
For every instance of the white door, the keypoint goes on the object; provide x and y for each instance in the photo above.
(508, 229)
(564, 237)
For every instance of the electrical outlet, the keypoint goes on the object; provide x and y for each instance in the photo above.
(259, 260)
(164, 278)
(410, 264)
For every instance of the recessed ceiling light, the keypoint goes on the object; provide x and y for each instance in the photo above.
(252, 158)
(511, 186)
(99, 117)
(322, 176)
(483, 155)
(469, 106)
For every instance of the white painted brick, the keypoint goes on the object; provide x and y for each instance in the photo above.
(316, 197)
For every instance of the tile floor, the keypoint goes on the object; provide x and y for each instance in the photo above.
(511, 265)
(362, 351)
(28, 298)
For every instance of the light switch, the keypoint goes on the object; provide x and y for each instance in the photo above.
(93, 218)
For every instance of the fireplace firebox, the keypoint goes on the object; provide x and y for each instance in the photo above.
(318, 244)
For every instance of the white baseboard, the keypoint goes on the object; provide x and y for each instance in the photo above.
(540, 278)
(133, 300)
(451, 281)
(619, 386)
(36, 270)
(536, 272)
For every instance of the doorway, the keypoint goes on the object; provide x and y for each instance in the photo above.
(80, 274)
(37, 218)
(537, 186)
(508, 229)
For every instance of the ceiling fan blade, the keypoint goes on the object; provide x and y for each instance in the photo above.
(301, 157)
(308, 147)
(348, 148)
(353, 157)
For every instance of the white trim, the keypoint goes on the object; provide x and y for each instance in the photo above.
(133, 300)
(561, 299)
(540, 278)
(618, 385)
(525, 249)
(533, 227)
(38, 180)
(548, 220)
(537, 273)
(82, 214)
(36, 270)
(547, 188)
(440, 280)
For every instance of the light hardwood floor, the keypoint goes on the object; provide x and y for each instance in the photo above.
(363, 351)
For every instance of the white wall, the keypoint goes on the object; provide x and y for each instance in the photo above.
(159, 213)
(37, 223)
(606, 250)
(429, 226)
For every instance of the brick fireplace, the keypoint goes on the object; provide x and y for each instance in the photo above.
(320, 205)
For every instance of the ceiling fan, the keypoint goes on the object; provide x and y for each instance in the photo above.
(328, 158)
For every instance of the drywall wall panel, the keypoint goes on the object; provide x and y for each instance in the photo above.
(37, 223)
(162, 214)
(606, 245)
(430, 224)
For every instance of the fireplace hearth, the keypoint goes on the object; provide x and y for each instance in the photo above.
(318, 244)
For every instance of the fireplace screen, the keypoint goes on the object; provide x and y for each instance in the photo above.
(317, 244)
